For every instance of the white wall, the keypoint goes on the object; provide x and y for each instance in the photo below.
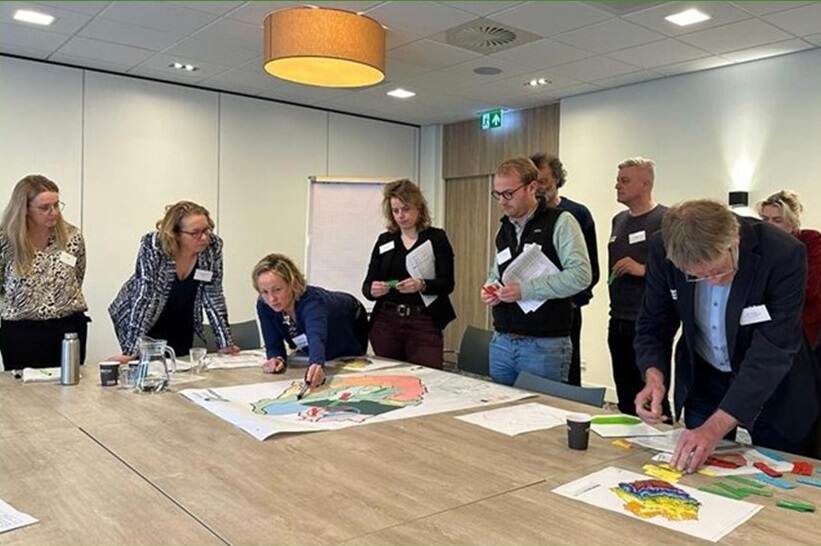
(752, 127)
(121, 148)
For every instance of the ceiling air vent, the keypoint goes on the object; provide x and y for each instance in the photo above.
(485, 36)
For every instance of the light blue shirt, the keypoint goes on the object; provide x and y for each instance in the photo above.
(711, 326)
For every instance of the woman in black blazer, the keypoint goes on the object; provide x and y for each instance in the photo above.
(410, 312)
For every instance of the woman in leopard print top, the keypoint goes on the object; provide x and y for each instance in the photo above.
(42, 265)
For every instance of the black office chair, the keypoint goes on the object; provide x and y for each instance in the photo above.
(245, 334)
(585, 395)
(474, 351)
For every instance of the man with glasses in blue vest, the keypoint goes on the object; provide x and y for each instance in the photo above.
(736, 285)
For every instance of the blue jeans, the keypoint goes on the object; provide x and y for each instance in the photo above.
(547, 357)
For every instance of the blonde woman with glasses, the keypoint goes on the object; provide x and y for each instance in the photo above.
(178, 276)
(42, 265)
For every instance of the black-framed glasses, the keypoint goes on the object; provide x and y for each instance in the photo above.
(733, 258)
(198, 233)
(45, 209)
(507, 195)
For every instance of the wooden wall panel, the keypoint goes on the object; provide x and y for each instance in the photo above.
(469, 151)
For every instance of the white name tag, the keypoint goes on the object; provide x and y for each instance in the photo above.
(754, 314)
(503, 256)
(674, 295)
(390, 245)
(301, 341)
(203, 275)
(637, 237)
(68, 259)
(612, 239)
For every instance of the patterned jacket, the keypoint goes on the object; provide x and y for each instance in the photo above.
(142, 298)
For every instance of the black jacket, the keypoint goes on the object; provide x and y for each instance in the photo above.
(774, 373)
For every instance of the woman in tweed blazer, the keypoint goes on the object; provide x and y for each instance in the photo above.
(177, 276)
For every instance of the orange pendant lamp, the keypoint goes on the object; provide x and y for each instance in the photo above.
(324, 47)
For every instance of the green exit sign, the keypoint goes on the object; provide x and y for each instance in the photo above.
(492, 119)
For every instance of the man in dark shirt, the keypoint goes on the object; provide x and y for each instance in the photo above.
(552, 176)
(627, 253)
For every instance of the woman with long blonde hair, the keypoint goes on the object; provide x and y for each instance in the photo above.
(178, 276)
(42, 266)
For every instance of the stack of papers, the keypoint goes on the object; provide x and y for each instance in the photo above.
(519, 419)
(622, 426)
(40, 375)
(530, 264)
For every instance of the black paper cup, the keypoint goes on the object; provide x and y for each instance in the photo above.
(109, 373)
(578, 430)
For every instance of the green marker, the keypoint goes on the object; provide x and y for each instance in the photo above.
(615, 420)
(610, 279)
(392, 284)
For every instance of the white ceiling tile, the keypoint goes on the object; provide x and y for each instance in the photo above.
(158, 15)
(234, 34)
(395, 37)
(580, 89)
(130, 35)
(254, 13)
(550, 18)
(305, 94)
(28, 41)
(814, 39)
(66, 22)
(462, 75)
(348, 6)
(735, 36)
(112, 54)
(422, 18)
(158, 67)
(609, 36)
(542, 54)
(431, 54)
(399, 71)
(693, 66)
(99, 64)
(249, 78)
(661, 53)
(481, 7)
(218, 7)
(89, 8)
(763, 8)
(801, 21)
(628, 79)
(211, 52)
(595, 68)
(720, 13)
(770, 50)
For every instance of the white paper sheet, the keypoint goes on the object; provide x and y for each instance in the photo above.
(216, 361)
(362, 364)
(667, 442)
(677, 507)
(41, 375)
(518, 419)
(12, 519)
(530, 264)
(346, 400)
(623, 430)
(421, 264)
(751, 456)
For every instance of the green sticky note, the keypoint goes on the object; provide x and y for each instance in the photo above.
(747, 482)
(615, 420)
(730, 489)
(720, 492)
(796, 505)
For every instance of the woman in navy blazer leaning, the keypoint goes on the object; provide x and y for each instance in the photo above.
(407, 322)
(177, 276)
(323, 323)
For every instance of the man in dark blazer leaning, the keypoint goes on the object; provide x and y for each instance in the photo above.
(737, 287)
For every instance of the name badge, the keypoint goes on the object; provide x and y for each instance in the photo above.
(754, 314)
(503, 256)
(637, 237)
(301, 341)
(203, 275)
(390, 245)
(612, 239)
(68, 259)
(674, 295)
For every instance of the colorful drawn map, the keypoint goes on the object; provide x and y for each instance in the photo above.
(651, 498)
(349, 397)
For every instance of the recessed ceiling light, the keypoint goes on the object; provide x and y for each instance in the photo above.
(687, 17)
(400, 93)
(33, 17)
(186, 67)
(536, 82)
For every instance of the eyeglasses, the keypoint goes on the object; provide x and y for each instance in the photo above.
(507, 195)
(197, 234)
(57, 207)
(733, 258)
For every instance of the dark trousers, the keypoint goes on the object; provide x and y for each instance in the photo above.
(626, 373)
(706, 393)
(38, 343)
(413, 339)
(574, 376)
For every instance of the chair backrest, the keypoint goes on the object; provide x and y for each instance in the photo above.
(585, 395)
(245, 334)
(474, 351)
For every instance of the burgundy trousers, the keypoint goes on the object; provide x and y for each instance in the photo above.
(414, 339)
